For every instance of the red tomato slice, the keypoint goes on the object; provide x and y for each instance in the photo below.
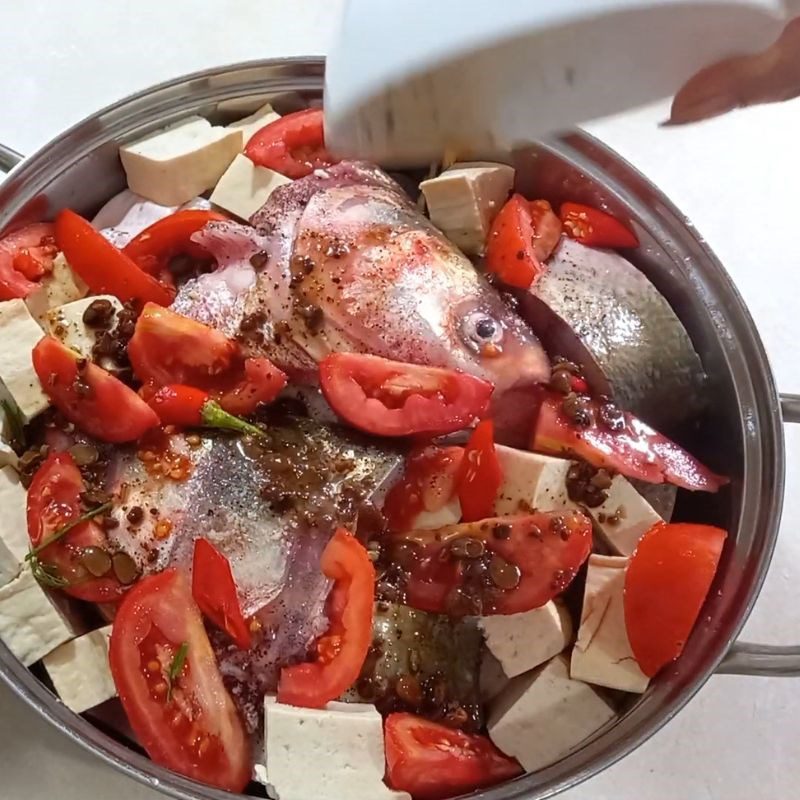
(54, 500)
(429, 482)
(168, 348)
(214, 591)
(666, 583)
(104, 268)
(343, 649)
(431, 761)
(88, 396)
(634, 450)
(481, 476)
(595, 228)
(513, 563)
(388, 398)
(293, 145)
(187, 723)
(155, 246)
(522, 237)
(25, 256)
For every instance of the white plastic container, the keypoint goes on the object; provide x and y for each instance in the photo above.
(408, 81)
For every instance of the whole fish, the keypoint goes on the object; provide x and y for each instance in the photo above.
(342, 260)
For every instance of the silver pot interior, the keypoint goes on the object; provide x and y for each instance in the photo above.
(740, 435)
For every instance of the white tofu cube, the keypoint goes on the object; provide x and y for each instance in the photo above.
(244, 187)
(61, 286)
(521, 642)
(178, 163)
(491, 679)
(464, 200)
(8, 458)
(326, 754)
(602, 654)
(254, 122)
(14, 542)
(20, 333)
(544, 715)
(532, 481)
(624, 517)
(31, 625)
(67, 325)
(80, 672)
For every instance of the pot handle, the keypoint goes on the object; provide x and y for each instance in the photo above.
(774, 661)
(9, 158)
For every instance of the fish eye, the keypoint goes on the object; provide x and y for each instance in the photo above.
(480, 329)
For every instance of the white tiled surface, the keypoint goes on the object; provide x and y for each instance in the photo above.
(737, 178)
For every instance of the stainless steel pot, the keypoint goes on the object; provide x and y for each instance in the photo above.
(743, 436)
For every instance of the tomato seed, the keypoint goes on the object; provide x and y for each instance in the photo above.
(163, 529)
(153, 666)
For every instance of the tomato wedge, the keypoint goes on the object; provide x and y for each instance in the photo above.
(500, 565)
(170, 686)
(156, 245)
(25, 256)
(666, 583)
(293, 145)
(389, 398)
(214, 591)
(342, 650)
(627, 446)
(428, 483)
(431, 761)
(168, 348)
(104, 268)
(54, 500)
(481, 475)
(88, 396)
(522, 237)
(595, 228)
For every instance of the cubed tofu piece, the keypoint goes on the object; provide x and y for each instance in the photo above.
(14, 542)
(244, 187)
(544, 715)
(80, 672)
(491, 680)
(326, 754)
(178, 163)
(254, 122)
(624, 517)
(521, 642)
(66, 323)
(532, 481)
(61, 286)
(31, 625)
(602, 654)
(20, 333)
(464, 200)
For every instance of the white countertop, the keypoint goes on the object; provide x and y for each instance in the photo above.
(737, 178)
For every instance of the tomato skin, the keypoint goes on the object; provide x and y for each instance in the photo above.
(390, 398)
(480, 476)
(293, 145)
(104, 268)
(666, 584)
(547, 548)
(343, 649)
(168, 348)
(522, 237)
(25, 256)
(54, 500)
(159, 615)
(214, 591)
(595, 228)
(428, 483)
(432, 762)
(106, 409)
(636, 451)
(157, 244)
(179, 405)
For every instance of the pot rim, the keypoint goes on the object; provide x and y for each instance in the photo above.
(764, 466)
